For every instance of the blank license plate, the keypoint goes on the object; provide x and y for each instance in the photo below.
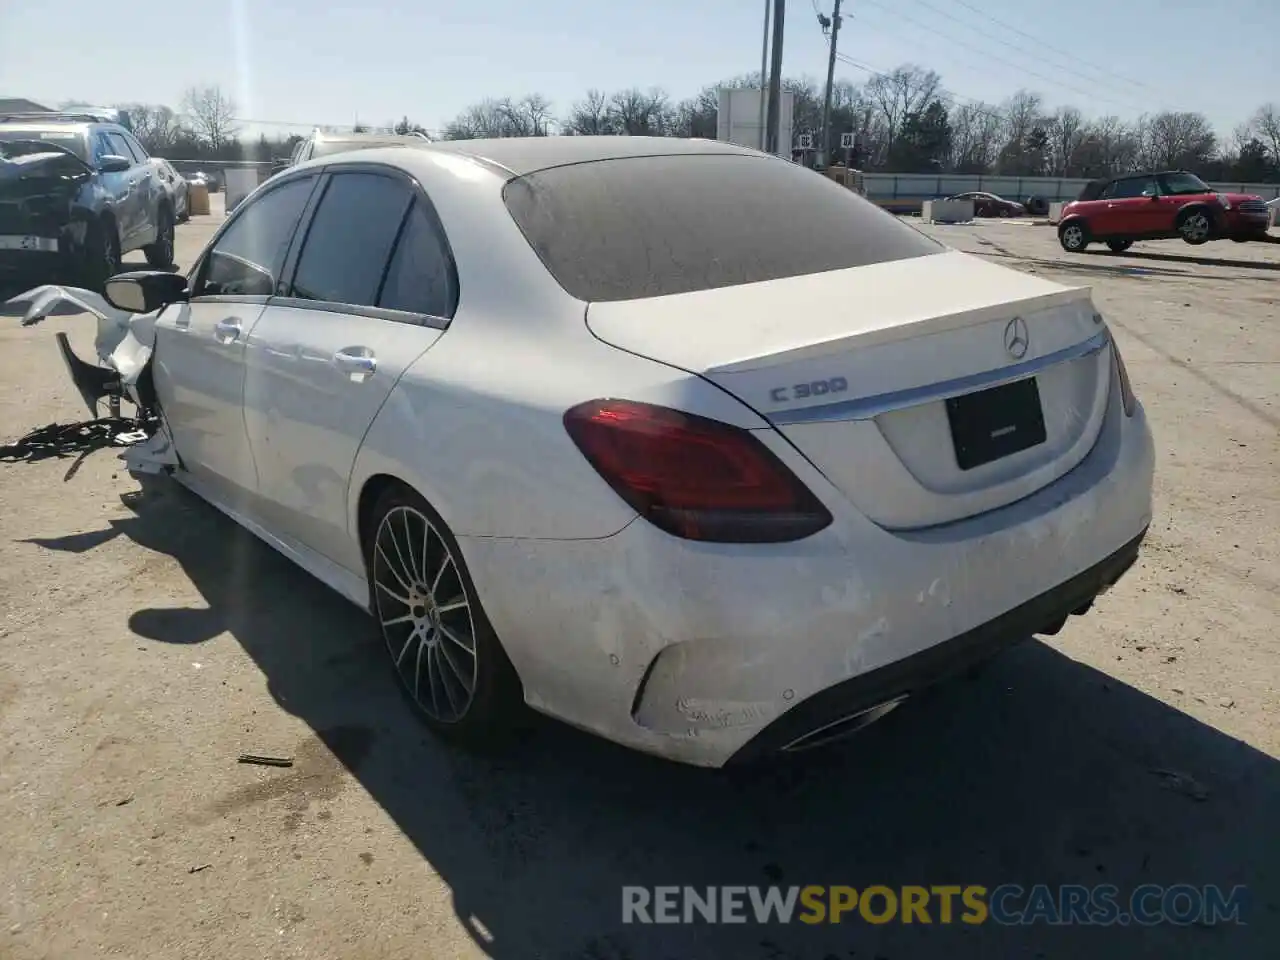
(19, 242)
(995, 423)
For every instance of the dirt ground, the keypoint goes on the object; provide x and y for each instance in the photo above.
(146, 643)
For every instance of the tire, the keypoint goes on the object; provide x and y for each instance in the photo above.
(160, 253)
(1119, 246)
(1073, 236)
(102, 255)
(1195, 226)
(408, 550)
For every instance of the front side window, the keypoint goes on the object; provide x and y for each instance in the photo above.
(1181, 184)
(247, 259)
(632, 228)
(1132, 188)
(349, 240)
(101, 147)
(120, 147)
(138, 150)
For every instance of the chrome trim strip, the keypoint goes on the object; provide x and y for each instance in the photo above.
(866, 408)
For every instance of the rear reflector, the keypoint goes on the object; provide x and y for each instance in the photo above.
(696, 478)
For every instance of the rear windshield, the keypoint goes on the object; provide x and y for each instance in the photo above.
(67, 139)
(642, 227)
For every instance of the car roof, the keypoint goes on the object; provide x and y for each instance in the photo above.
(81, 126)
(387, 138)
(1144, 175)
(522, 155)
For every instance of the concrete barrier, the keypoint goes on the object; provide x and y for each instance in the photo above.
(947, 211)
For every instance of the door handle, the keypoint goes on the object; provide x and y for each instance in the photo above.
(227, 331)
(355, 362)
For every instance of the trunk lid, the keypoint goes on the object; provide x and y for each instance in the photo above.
(894, 379)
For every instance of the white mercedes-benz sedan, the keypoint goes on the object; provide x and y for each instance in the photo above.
(677, 442)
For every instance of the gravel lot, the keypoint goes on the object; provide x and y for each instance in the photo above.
(146, 643)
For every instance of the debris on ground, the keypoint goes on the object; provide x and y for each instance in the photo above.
(266, 761)
(74, 439)
(197, 869)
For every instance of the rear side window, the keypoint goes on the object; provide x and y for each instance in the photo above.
(632, 228)
(421, 278)
(248, 257)
(349, 240)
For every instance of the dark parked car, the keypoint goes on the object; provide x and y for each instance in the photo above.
(76, 194)
(1155, 206)
(989, 205)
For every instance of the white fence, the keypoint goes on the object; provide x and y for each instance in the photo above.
(908, 191)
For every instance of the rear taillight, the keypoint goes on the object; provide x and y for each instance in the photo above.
(696, 478)
(1127, 398)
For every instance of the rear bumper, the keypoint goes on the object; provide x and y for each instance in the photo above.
(841, 709)
(703, 653)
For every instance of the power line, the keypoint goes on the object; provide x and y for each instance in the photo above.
(1073, 63)
(986, 55)
(1047, 45)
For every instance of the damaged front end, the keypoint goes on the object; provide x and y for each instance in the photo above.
(46, 207)
(124, 345)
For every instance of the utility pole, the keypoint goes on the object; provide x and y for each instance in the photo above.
(764, 73)
(775, 79)
(825, 149)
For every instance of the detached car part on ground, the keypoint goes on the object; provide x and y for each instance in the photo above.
(671, 440)
(1158, 206)
(71, 208)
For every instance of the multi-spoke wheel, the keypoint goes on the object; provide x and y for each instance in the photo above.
(1196, 227)
(441, 644)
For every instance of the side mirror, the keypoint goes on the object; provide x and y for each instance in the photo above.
(113, 163)
(143, 291)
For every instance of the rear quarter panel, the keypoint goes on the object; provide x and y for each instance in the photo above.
(476, 424)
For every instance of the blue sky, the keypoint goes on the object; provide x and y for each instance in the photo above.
(325, 62)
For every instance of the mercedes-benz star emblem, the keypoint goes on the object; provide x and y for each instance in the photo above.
(1016, 338)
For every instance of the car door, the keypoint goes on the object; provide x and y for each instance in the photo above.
(133, 215)
(114, 185)
(150, 189)
(198, 362)
(1131, 207)
(373, 288)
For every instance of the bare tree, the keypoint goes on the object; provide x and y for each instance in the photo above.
(1179, 140)
(155, 125)
(1265, 126)
(527, 117)
(211, 115)
(975, 137)
(1067, 130)
(589, 116)
(899, 94)
(639, 113)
